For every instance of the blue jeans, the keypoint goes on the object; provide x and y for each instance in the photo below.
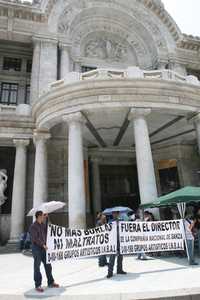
(39, 256)
(190, 245)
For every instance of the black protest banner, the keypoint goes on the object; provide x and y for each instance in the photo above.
(64, 243)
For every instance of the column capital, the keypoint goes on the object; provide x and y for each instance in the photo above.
(138, 112)
(64, 46)
(21, 142)
(74, 118)
(41, 135)
(44, 39)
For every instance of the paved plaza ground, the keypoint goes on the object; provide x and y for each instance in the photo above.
(83, 279)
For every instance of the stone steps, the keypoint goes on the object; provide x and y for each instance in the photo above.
(9, 248)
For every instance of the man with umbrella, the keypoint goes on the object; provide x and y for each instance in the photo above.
(38, 233)
(115, 218)
(38, 238)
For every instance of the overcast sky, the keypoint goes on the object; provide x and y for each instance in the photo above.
(186, 14)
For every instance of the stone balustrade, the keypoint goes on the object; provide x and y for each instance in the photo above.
(104, 74)
(7, 109)
(131, 72)
(21, 109)
(26, 2)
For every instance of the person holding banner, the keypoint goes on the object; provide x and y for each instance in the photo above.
(116, 218)
(140, 255)
(38, 233)
(101, 220)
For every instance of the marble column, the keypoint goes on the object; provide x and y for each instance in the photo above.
(76, 184)
(96, 187)
(44, 66)
(65, 63)
(196, 122)
(145, 166)
(19, 189)
(40, 193)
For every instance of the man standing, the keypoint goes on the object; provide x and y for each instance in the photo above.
(188, 224)
(38, 238)
(102, 221)
(116, 218)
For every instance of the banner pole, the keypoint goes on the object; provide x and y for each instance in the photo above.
(186, 244)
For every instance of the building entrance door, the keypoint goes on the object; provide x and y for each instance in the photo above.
(119, 186)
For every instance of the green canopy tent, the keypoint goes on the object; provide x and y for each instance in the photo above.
(180, 198)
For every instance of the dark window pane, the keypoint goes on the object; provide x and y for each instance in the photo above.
(5, 96)
(28, 66)
(13, 97)
(9, 93)
(27, 95)
(10, 63)
(13, 87)
(87, 69)
(169, 180)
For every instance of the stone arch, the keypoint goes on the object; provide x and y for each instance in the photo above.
(140, 25)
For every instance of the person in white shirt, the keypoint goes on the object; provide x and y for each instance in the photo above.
(136, 218)
(188, 224)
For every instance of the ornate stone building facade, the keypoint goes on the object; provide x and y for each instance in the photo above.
(99, 106)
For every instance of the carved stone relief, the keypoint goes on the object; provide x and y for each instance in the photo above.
(105, 48)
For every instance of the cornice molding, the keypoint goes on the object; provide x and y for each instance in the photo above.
(189, 42)
(22, 11)
(158, 9)
(41, 11)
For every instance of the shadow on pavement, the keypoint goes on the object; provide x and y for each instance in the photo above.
(132, 276)
(164, 270)
(182, 261)
(85, 282)
(48, 292)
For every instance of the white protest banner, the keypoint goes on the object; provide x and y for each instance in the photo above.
(137, 237)
(64, 243)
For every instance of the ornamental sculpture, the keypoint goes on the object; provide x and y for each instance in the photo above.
(106, 49)
(3, 185)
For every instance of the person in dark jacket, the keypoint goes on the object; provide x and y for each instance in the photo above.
(38, 233)
(116, 218)
(101, 221)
